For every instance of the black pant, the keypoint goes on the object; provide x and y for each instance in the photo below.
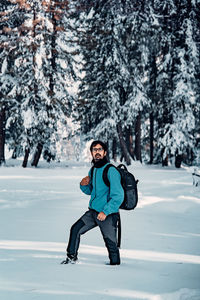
(108, 229)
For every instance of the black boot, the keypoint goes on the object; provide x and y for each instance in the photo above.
(71, 259)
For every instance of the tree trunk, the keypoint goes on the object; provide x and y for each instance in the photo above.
(114, 149)
(14, 154)
(123, 145)
(121, 157)
(151, 137)
(138, 138)
(178, 160)
(37, 155)
(2, 135)
(25, 161)
(164, 160)
(129, 142)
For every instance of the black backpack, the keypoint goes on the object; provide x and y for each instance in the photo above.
(129, 185)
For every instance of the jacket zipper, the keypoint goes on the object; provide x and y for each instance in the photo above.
(95, 180)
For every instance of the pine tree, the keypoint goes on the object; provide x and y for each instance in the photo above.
(112, 83)
(43, 64)
(11, 18)
(177, 120)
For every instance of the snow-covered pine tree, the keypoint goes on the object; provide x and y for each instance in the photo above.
(135, 107)
(111, 93)
(157, 81)
(151, 45)
(11, 18)
(30, 82)
(195, 52)
(42, 68)
(93, 106)
(58, 69)
(176, 134)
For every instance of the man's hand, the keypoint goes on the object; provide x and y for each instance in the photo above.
(101, 216)
(85, 181)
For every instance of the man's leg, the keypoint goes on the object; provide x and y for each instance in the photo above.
(85, 223)
(109, 231)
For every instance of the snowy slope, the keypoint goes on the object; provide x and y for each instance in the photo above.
(160, 240)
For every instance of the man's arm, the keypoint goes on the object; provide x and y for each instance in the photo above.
(85, 181)
(86, 186)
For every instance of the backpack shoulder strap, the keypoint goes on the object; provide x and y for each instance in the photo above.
(105, 174)
(91, 174)
(119, 232)
(92, 171)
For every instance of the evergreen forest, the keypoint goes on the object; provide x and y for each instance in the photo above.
(123, 71)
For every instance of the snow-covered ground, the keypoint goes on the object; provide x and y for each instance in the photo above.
(160, 240)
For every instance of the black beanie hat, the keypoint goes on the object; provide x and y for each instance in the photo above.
(103, 145)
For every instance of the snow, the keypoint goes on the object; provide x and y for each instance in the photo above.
(4, 66)
(29, 118)
(160, 239)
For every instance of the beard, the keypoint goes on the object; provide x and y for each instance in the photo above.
(99, 160)
(97, 157)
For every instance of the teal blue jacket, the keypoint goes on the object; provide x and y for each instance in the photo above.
(103, 198)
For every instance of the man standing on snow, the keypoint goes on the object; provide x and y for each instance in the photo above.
(103, 206)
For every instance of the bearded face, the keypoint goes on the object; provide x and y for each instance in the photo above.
(98, 152)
